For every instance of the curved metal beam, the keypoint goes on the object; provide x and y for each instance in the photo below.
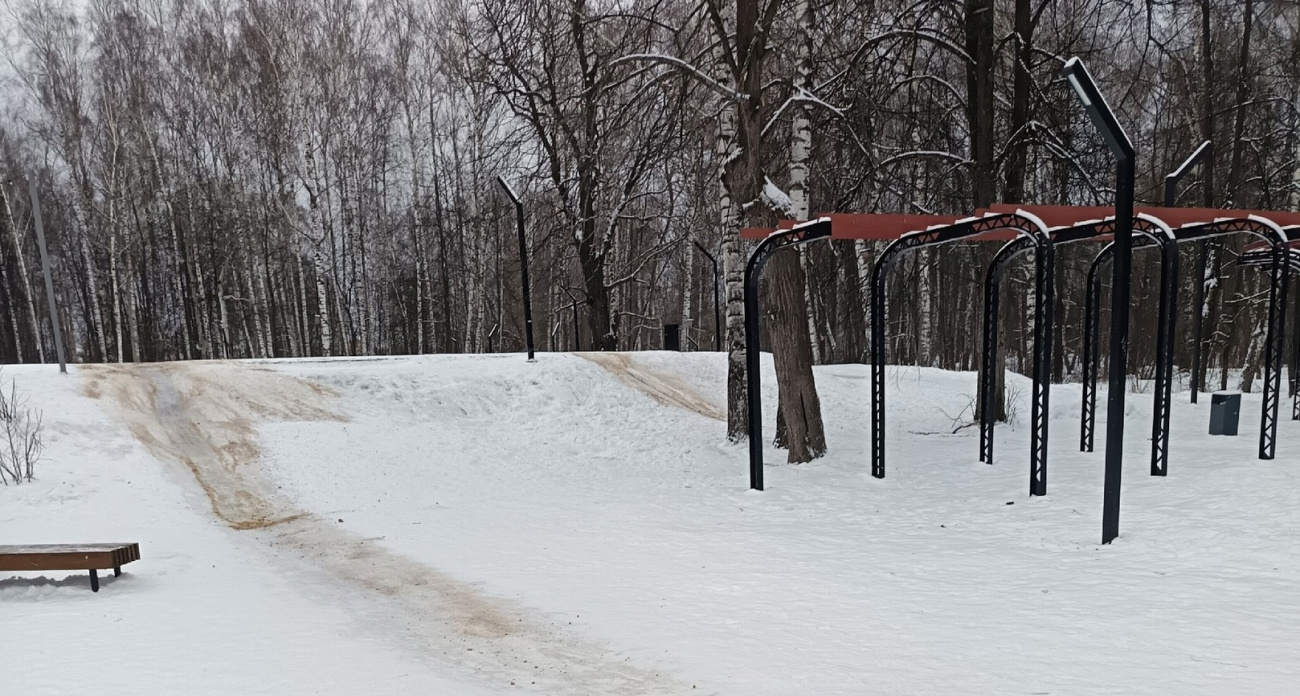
(1264, 257)
(1153, 231)
(1278, 241)
(800, 234)
(1084, 231)
(1022, 222)
(1044, 294)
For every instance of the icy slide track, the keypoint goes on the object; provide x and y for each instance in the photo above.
(205, 417)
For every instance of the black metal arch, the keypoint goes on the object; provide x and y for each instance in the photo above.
(1084, 231)
(1153, 231)
(1044, 294)
(800, 234)
(1027, 225)
(1278, 241)
(1264, 257)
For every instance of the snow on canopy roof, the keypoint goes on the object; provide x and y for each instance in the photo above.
(889, 226)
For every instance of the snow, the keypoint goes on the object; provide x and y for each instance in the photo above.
(777, 199)
(453, 524)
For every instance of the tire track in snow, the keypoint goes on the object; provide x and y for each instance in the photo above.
(203, 415)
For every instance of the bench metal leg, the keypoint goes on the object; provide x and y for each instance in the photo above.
(94, 581)
(117, 570)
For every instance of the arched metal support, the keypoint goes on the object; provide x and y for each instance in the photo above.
(1091, 311)
(1045, 302)
(1203, 153)
(800, 234)
(1082, 232)
(1275, 333)
(1153, 231)
(1264, 258)
(1022, 222)
(989, 344)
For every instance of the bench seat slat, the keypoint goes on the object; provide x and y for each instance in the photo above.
(67, 556)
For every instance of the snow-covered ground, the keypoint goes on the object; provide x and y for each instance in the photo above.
(481, 525)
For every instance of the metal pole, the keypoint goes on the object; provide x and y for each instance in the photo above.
(717, 307)
(1164, 355)
(49, 280)
(1091, 352)
(753, 386)
(801, 234)
(1275, 333)
(1104, 120)
(1203, 153)
(523, 264)
(1118, 389)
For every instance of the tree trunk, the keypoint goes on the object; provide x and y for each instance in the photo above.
(979, 98)
(800, 428)
(1014, 192)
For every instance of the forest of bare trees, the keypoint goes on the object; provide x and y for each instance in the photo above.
(270, 178)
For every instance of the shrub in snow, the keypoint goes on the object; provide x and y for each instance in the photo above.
(20, 436)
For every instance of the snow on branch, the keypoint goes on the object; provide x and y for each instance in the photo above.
(683, 66)
(801, 96)
(778, 200)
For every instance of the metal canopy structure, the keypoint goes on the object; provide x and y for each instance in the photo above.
(1277, 242)
(1154, 232)
(1041, 229)
(1095, 230)
(1023, 225)
(1086, 231)
(1264, 258)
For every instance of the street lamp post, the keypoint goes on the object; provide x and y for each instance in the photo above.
(1103, 119)
(523, 263)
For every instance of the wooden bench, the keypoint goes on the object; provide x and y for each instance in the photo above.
(92, 557)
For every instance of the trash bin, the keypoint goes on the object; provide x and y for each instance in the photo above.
(672, 337)
(1225, 411)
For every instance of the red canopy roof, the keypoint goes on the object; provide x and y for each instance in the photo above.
(888, 226)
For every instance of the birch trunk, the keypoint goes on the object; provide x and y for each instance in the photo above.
(733, 278)
(26, 284)
(319, 265)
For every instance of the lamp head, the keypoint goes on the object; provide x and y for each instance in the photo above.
(1103, 119)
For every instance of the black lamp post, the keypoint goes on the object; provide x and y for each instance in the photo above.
(801, 234)
(523, 264)
(1103, 119)
(717, 311)
(1204, 152)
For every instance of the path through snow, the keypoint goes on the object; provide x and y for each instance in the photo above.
(199, 414)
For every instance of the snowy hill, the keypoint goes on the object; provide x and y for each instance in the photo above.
(481, 525)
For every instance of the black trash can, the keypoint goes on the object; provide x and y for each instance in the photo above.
(672, 337)
(1225, 411)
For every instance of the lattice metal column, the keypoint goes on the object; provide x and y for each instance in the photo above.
(1091, 321)
(1274, 342)
(1168, 310)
